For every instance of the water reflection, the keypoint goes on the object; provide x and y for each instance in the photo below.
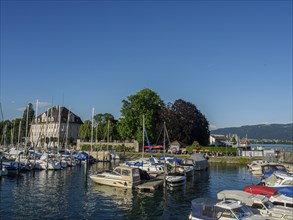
(102, 166)
(70, 194)
(43, 194)
(229, 176)
(120, 196)
(200, 184)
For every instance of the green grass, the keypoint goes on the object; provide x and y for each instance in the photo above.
(222, 150)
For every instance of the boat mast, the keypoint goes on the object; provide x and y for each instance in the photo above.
(108, 134)
(52, 129)
(36, 121)
(59, 122)
(18, 138)
(67, 128)
(143, 128)
(46, 132)
(12, 133)
(96, 133)
(92, 131)
(165, 168)
(26, 129)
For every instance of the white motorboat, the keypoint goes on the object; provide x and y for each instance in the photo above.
(269, 169)
(281, 181)
(121, 176)
(174, 180)
(199, 161)
(266, 169)
(274, 196)
(212, 209)
(174, 166)
(188, 170)
(259, 204)
(255, 166)
(256, 163)
(282, 200)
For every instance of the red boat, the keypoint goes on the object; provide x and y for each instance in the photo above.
(262, 190)
(275, 197)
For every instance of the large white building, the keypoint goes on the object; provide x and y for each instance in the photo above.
(56, 127)
(218, 140)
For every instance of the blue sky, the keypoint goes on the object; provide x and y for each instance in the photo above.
(232, 59)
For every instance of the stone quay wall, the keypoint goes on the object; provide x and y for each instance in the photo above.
(132, 144)
(285, 156)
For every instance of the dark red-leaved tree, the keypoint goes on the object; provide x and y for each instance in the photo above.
(185, 123)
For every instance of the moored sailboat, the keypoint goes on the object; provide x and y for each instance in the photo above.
(151, 165)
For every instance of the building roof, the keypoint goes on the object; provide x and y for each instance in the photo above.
(53, 114)
(219, 137)
(177, 143)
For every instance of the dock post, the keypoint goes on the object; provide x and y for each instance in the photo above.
(1, 159)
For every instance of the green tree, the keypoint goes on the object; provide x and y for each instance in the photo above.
(101, 128)
(185, 123)
(9, 131)
(145, 102)
(195, 146)
(15, 132)
(233, 140)
(85, 131)
(5, 128)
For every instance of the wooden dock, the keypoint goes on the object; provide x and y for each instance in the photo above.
(151, 185)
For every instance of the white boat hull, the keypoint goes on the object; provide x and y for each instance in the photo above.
(112, 182)
(50, 165)
(175, 181)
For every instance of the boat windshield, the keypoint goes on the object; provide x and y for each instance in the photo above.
(136, 172)
(242, 212)
(126, 172)
(117, 171)
(271, 180)
(288, 182)
(268, 204)
(281, 168)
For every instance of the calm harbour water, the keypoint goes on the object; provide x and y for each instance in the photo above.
(70, 194)
(282, 147)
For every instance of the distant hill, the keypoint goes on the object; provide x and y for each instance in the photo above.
(262, 131)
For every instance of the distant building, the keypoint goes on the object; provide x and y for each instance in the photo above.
(176, 146)
(56, 126)
(245, 144)
(219, 140)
